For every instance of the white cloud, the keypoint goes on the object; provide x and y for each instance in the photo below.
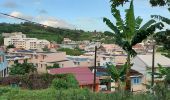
(21, 15)
(57, 23)
(46, 20)
(54, 22)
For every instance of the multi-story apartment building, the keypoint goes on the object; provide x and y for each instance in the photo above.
(20, 40)
(81, 61)
(44, 59)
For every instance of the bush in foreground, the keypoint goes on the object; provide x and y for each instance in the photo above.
(71, 94)
(68, 82)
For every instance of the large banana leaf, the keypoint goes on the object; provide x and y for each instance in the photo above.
(130, 21)
(143, 34)
(117, 16)
(147, 24)
(163, 19)
(111, 25)
(138, 23)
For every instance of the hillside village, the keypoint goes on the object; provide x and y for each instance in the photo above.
(85, 50)
(18, 48)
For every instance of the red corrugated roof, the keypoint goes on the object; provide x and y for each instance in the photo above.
(83, 74)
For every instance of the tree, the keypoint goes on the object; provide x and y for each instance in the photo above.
(152, 2)
(10, 46)
(65, 83)
(129, 32)
(163, 37)
(1, 40)
(54, 66)
(21, 69)
(74, 52)
(163, 72)
(117, 74)
(46, 49)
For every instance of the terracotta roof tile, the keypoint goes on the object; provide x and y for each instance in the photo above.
(83, 74)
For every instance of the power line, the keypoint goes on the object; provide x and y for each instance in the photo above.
(23, 19)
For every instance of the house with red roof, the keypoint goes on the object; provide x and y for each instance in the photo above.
(83, 75)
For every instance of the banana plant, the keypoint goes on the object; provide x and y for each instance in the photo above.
(117, 74)
(129, 32)
(163, 37)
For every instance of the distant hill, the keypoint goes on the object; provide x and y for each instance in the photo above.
(53, 34)
(49, 33)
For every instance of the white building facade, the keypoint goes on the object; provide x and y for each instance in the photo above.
(20, 40)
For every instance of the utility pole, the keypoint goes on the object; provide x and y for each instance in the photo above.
(153, 64)
(94, 84)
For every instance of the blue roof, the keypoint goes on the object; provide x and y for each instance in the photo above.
(78, 59)
(29, 51)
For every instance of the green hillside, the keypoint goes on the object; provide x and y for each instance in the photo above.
(49, 33)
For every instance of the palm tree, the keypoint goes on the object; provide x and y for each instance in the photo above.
(129, 32)
(117, 74)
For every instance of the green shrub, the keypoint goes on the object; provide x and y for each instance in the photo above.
(71, 81)
(59, 84)
(54, 66)
(68, 82)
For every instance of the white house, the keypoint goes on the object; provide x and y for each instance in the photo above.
(143, 64)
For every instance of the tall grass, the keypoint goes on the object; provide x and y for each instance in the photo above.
(8, 93)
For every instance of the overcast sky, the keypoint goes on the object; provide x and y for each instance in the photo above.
(79, 14)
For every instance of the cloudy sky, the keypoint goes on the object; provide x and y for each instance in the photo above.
(73, 14)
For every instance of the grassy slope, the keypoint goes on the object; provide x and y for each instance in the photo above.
(7, 93)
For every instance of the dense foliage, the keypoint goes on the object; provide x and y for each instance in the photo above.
(68, 82)
(10, 46)
(34, 81)
(163, 38)
(1, 40)
(117, 74)
(21, 69)
(152, 2)
(49, 33)
(54, 66)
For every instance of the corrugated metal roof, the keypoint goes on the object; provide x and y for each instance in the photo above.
(83, 74)
(147, 59)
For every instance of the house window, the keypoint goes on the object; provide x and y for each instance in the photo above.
(36, 57)
(136, 80)
(1, 59)
(104, 58)
(16, 61)
(98, 64)
(25, 60)
(36, 65)
(62, 65)
(43, 56)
